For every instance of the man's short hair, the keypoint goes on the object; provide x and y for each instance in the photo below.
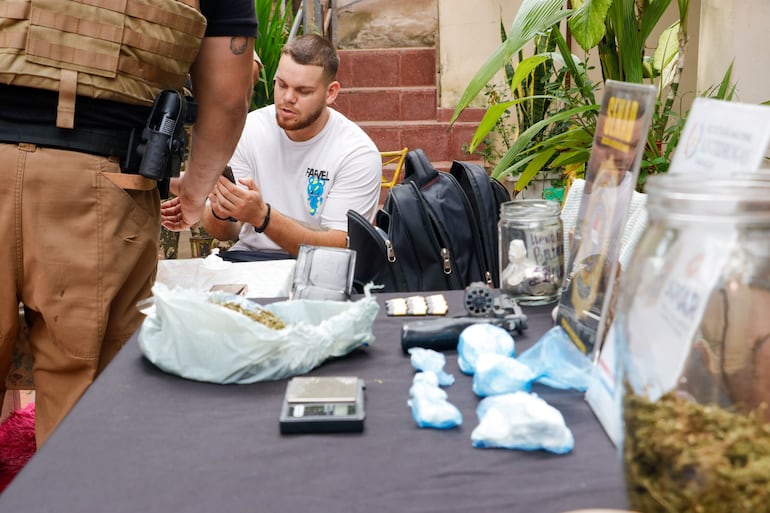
(315, 50)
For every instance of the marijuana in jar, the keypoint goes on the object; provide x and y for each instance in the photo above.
(680, 456)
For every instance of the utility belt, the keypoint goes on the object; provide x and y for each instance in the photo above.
(96, 141)
(154, 152)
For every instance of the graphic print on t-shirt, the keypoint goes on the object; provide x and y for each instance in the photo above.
(316, 181)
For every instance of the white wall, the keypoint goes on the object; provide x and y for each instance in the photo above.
(720, 31)
(739, 30)
(469, 31)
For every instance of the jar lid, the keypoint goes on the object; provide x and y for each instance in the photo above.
(530, 209)
(732, 197)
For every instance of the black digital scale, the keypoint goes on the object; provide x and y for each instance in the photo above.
(323, 405)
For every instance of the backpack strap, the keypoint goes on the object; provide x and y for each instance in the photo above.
(418, 169)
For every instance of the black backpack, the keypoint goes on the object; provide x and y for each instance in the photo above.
(436, 231)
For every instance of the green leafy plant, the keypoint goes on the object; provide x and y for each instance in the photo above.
(559, 135)
(275, 21)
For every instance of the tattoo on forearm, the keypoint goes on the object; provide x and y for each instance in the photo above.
(238, 45)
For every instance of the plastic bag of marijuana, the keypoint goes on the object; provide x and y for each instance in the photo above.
(224, 338)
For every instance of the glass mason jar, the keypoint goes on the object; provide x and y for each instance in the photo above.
(692, 331)
(531, 250)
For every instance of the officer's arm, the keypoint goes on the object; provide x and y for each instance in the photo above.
(221, 83)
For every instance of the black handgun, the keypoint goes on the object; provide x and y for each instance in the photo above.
(443, 334)
(158, 151)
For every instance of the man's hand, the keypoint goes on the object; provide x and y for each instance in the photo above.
(171, 210)
(171, 215)
(183, 211)
(244, 204)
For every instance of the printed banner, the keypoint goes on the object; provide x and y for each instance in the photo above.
(616, 153)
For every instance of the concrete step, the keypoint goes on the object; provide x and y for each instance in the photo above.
(471, 115)
(391, 93)
(388, 67)
(388, 103)
(398, 103)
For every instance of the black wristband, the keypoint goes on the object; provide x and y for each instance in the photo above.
(265, 222)
(229, 218)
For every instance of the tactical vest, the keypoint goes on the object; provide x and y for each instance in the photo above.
(123, 50)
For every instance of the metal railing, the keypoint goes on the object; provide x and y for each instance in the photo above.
(316, 16)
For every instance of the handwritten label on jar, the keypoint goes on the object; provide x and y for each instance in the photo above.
(546, 251)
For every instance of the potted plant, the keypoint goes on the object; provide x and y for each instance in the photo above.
(275, 20)
(560, 136)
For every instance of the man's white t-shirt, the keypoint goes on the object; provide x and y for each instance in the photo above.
(316, 181)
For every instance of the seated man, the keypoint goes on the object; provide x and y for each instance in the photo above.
(299, 165)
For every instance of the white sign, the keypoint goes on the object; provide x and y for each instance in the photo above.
(600, 394)
(722, 135)
(660, 324)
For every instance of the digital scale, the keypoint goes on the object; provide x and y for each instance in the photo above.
(323, 405)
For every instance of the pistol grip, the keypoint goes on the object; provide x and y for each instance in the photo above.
(438, 334)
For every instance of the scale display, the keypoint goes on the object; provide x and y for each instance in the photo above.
(323, 405)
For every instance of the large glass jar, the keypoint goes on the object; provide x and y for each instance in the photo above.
(692, 329)
(531, 250)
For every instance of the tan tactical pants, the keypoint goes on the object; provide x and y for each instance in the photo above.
(78, 252)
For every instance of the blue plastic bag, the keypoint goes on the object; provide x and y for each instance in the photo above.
(557, 362)
(498, 374)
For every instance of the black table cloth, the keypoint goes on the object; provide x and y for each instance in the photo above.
(141, 440)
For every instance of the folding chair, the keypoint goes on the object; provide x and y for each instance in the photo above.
(392, 160)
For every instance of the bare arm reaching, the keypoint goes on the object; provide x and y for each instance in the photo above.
(221, 79)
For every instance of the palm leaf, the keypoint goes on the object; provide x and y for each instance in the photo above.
(567, 158)
(534, 167)
(534, 16)
(652, 14)
(726, 88)
(628, 40)
(503, 167)
(664, 59)
(525, 67)
(587, 22)
(272, 35)
(576, 70)
(490, 119)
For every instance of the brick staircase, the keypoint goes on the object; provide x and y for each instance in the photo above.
(392, 94)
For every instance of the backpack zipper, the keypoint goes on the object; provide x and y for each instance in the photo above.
(389, 251)
(447, 261)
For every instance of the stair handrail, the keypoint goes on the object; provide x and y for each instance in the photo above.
(324, 14)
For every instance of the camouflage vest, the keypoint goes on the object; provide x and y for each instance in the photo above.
(123, 50)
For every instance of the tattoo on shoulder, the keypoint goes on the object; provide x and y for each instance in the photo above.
(239, 45)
